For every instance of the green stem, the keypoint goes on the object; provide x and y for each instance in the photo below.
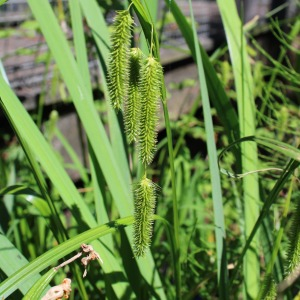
(176, 255)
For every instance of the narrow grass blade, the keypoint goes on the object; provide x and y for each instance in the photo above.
(146, 22)
(246, 110)
(18, 190)
(30, 196)
(40, 285)
(98, 182)
(72, 154)
(100, 200)
(220, 230)
(152, 7)
(281, 147)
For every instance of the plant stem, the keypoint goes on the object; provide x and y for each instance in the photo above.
(176, 255)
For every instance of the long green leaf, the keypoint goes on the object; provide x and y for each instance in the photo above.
(43, 153)
(83, 65)
(40, 285)
(277, 243)
(79, 43)
(246, 110)
(220, 230)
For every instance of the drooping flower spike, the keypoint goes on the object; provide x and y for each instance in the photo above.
(118, 60)
(144, 205)
(132, 105)
(151, 94)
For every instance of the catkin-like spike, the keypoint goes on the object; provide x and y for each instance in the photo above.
(150, 92)
(118, 60)
(293, 254)
(133, 100)
(145, 198)
(269, 288)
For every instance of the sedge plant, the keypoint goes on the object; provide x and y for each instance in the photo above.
(202, 244)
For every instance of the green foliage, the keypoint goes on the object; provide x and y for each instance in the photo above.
(200, 238)
(41, 285)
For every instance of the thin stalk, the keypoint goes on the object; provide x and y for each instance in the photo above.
(176, 256)
(176, 225)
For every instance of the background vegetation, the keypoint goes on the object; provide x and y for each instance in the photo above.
(227, 218)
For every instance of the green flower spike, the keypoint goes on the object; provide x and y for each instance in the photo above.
(145, 198)
(133, 101)
(293, 254)
(151, 94)
(118, 60)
